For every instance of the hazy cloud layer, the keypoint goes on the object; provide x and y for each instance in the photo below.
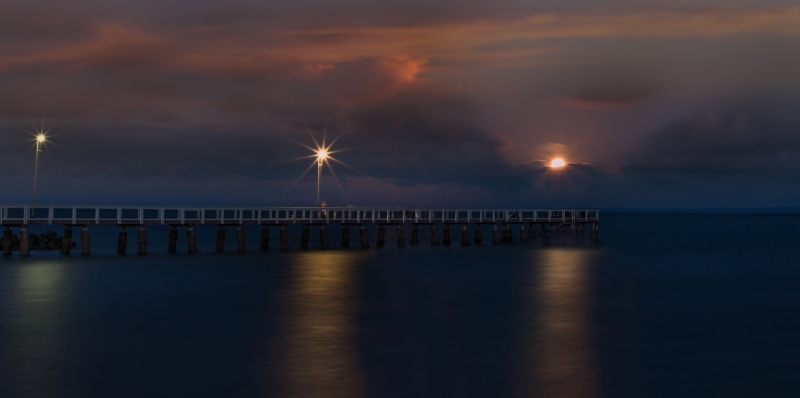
(461, 101)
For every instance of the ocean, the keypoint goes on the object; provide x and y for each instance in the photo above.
(665, 305)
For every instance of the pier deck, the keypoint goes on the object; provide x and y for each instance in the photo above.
(24, 216)
(177, 215)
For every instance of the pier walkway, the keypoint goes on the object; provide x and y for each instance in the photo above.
(540, 222)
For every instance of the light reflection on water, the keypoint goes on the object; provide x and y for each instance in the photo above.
(562, 357)
(566, 368)
(35, 336)
(321, 360)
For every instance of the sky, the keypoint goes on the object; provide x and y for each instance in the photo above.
(659, 104)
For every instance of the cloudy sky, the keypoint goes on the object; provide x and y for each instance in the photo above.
(658, 104)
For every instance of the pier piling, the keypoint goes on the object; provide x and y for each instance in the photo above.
(191, 239)
(364, 237)
(495, 235)
(85, 241)
(594, 232)
(66, 240)
(7, 241)
(284, 238)
(122, 241)
(465, 236)
(478, 240)
(531, 232)
(401, 238)
(264, 238)
(304, 237)
(381, 236)
(414, 236)
(142, 239)
(434, 236)
(241, 242)
(446, 237)
(345, 237)
(323, 238)
(507, 236)
(24, 242)
(545, 235)
(220, 239)
(172, 247)
(523, 235)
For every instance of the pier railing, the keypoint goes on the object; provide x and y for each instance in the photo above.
(179, 215)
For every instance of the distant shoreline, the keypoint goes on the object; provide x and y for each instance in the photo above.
(719, 210)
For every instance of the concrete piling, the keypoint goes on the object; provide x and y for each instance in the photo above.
(345, 237)
(381, 236)
(24, 242)
(594, 232)
(531, 231)
(66, 240)
(191, 239)
(172, 247)
(414, 236)
(284, 238)
(401, 237)
(507, 236)
(478, 240)
(523, 235)
(545, 235)
(364, 237)
(85, 241)
(323, 238)
(304, 237)
(465, 236)
(220, 239)
(241, 242)
(7, 241)
(122, 240)
(142, 239)
(446, 237)
(495, 235)
(434, 236)
(264, 238)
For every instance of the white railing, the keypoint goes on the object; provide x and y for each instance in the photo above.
(139, 215)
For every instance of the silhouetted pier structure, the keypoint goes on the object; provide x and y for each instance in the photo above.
(541, 223)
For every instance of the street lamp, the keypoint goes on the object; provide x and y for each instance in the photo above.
(40, 139)
(322, 154)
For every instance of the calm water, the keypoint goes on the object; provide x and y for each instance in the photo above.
(666, 306)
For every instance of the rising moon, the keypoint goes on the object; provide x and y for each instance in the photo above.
(557, 162)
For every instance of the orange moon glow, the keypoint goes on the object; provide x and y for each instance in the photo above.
(557, 162)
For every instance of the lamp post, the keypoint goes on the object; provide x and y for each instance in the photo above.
(40, 138)
(322, 154)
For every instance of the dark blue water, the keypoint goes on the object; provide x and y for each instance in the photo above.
(667, 306)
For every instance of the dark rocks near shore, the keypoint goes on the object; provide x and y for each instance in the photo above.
(48, 240)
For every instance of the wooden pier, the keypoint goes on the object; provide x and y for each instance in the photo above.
(540, 222)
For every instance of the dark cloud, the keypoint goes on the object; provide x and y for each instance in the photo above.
(439, 102)
(735, 139)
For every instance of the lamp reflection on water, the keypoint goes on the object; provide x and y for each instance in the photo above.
(35, 333)
(562, 355)
(321, 359)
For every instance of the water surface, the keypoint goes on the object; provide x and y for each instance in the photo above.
(665, 306)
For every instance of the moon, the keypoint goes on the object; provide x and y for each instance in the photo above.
(557, 163)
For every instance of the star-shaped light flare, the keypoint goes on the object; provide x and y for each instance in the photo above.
(322, 152)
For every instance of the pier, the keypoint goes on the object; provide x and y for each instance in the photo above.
(540, 223)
